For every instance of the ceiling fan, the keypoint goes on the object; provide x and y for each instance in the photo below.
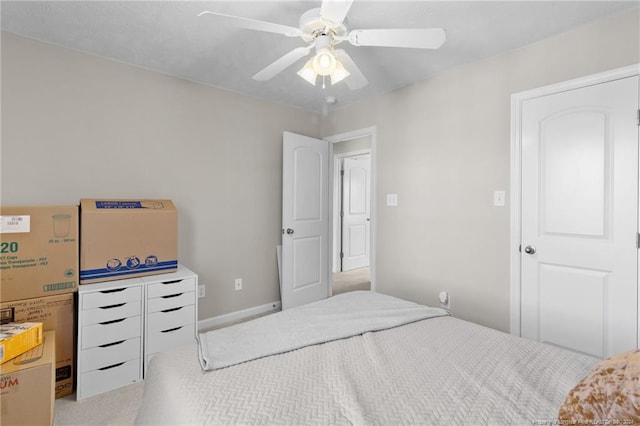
(323, 28)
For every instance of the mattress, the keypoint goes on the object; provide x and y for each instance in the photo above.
(435, 371)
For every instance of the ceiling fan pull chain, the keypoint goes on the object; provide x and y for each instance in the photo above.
(324, 86)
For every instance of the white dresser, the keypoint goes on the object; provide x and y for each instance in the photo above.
(171, 311)
(123, 323)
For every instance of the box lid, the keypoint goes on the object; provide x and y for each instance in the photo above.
(128, 205)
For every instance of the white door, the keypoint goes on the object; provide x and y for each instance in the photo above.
(355, 212)
(305, 220)
(580, 218)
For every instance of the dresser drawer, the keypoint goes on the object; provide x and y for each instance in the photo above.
(113, 353)
(111, 312)
(165, 320)
(171, 301)
(108, 378)
(166, 288)
(103, 333)
(158, 341)
(111, 297)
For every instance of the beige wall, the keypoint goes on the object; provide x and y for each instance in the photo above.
(443, 145)
(75, 125)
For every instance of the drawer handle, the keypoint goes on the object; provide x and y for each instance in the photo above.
(111, 366)
(115, 290)
(171, 329)
(171, 295)
(171, 282)
(112, 321)
(111, 344)
(112, 306)
(172, 309)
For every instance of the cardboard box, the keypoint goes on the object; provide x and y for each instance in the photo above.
(38, 251)
(18, 337)
(27, 386)
(127, 238)
(55, 313)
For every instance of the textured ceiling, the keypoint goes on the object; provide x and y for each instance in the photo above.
(169, 37)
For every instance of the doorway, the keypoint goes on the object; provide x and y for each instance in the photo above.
(352, 210)
(351, 213)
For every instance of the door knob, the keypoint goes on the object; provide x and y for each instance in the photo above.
(289, 231)
(530, 250)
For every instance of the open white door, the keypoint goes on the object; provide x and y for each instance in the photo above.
(355, 212)
(305, 220)
(579, 218)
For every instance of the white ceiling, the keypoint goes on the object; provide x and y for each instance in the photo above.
(169, 37)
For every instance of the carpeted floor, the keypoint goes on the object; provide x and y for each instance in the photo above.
(115, 408)
(356, 279)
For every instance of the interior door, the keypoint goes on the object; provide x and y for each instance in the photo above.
(580, 218)
(355, 212)
(305, 220)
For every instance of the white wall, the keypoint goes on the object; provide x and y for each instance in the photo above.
(75, 126)
(444, 147)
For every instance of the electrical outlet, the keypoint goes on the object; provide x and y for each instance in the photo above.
(445, 300)
(201, 291)
(238, 284)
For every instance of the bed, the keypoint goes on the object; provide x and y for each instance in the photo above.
(360, 358)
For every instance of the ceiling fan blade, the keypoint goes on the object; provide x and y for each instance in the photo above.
(335, 10)
(419, 38)
(283, 63)
(254, 24)
(356, 79)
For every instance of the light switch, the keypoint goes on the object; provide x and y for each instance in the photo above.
(392, 200)
(498, 198)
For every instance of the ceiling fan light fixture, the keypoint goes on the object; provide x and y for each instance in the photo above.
(308, 73)
(324, 63)
(339, 74)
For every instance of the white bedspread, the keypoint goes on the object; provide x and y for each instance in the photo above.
(344, 315)
(439, 371)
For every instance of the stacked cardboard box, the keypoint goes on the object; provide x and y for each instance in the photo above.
(38, 251)
(55, 313)
(27, 385)
(122, 239)
(39, 262)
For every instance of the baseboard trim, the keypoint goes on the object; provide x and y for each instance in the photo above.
(238, 315)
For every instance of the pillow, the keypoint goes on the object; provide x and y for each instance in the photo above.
(610, 394)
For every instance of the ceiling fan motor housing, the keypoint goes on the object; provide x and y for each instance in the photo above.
(312, 25)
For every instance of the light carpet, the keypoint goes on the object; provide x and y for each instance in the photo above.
(115, 408)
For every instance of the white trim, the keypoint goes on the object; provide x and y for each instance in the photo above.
(517, 99)
(370, 132)
(238, 315)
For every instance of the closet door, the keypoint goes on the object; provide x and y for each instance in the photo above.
(579, 259)
(356, 226)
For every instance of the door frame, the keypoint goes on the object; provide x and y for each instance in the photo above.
(371, 133)
(517, 100)
(337, 195)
